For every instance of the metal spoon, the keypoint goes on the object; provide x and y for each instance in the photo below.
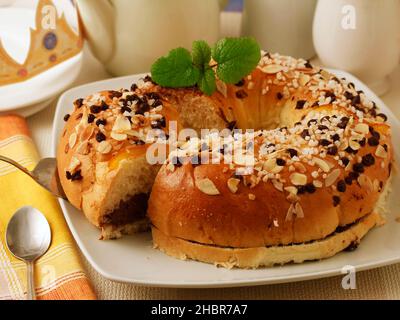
(45, 174)
(28, 237)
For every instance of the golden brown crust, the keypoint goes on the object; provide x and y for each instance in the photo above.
(256, 257)
(91, 173)
(324, 168)
(342, 177)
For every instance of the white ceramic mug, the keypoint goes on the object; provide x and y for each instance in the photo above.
(283, 26)
(128, 35)
(361, 37)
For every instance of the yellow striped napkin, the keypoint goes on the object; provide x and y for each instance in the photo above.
(59, 273)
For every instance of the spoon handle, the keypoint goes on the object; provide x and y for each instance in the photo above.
(31, 294)
(16, 164)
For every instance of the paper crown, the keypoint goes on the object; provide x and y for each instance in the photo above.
(50, 44)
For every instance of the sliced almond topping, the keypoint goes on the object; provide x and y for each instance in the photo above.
(291, 211)
(298, 179)
(72, 140)
(277, 169)
(325, 74)
(381, 152)
(344, 145)
(118, 136)
(332, 177)
(317, 184)
(75, 163)
(299, 210)
(207, 186)
(292, 197)
(377, 185)
(104, 147)
(354, 145)
(83, 148)
(221, 87)
(300, 167)
(272, 68)
(304, 79)
(252, 196)
(66, 149)
(362, 128)
(270, 164)
(322, 164)
(244, 159)
(365, 182)
(170, 167)
(233, 184)
(291, 189)
(87, 134)
(121, 124)
(277, 184)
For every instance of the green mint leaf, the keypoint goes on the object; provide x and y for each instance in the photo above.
(236, 58)
(201, 53)
(175, 70)
(207, 82)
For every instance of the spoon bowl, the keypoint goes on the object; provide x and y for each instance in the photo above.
(28, 237)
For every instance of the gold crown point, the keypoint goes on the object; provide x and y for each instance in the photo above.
(48, 47)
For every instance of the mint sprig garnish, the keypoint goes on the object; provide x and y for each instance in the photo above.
(236, 58)
(230, 59)
(176, 69)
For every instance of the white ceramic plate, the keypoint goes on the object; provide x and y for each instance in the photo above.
(34, 94)
(132, 259)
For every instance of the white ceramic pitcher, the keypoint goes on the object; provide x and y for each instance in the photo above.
(128, 35)
(283, 26)
(359, 36)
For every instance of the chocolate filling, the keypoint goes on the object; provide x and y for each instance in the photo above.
(128, 211)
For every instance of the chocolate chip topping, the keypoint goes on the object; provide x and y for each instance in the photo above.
(300, 104)
(280, 162)
(368, 160)
(126, 109)
(95, 109)
(383, 116)
(343, 122)
(308, 65)
(373, 141)
(76, 176)
(66, 117)
(240, 83)
(104, 106)
(100, 137)
(292, 152)
(241, 94)
(358, 167)
(91, 118)
(115, 94)
(78, 103)
(305, 133)
(142, 108)
(332, 151)
(101, 122)
(310, 188)
(324, 142)
(341, 186)
(336, 201)
(301, 190)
